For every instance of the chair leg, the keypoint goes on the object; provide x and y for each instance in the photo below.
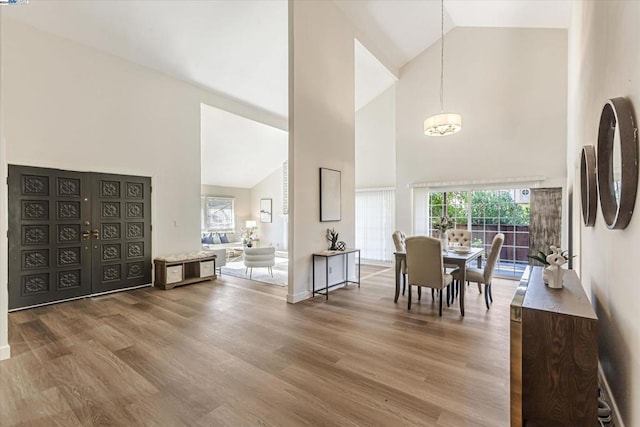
(404, 283)
(490, 292)
(440, 311)
(448, 295)
(419, 293)
(409, 299)
(457, 288)
(486, 295)
(479, 287)
(271, 271)
(250, 272)
(245, 270)
(432, 293)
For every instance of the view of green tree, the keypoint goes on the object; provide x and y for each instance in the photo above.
(487, 207)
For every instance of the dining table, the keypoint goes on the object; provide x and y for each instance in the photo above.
(450, 257)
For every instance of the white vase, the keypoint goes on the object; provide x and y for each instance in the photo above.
(444, 238)
(546, 275)
(555, 276)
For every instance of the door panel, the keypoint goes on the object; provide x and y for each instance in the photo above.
(76, 233)
(121, 231)
(49, 260)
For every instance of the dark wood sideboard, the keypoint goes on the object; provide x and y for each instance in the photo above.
(554, 354)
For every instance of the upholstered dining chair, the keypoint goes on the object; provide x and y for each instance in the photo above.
(462, 237)
(485, 275)
(424, 266)
(259, 257)
(399, 241)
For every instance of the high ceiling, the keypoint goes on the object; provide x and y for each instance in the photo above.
(239, 49)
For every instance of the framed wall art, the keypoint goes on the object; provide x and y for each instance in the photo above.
(330, 195)
(265, 210)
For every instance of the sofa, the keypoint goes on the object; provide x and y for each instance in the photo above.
(220, 240)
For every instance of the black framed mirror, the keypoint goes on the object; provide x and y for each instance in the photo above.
(588, 189)
(617, 162)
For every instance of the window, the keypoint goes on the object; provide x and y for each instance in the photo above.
(218, 214)
(486, 213)
(285, 187)
(375, 222)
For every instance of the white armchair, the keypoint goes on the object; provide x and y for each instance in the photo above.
(259, 257)
(221, 258)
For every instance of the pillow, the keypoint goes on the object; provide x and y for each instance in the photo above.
(215, 238)
(223, 238)
(206, 239)
(233, 237)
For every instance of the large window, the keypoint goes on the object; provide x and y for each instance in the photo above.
(375, 222)
(486, 213)
(217, 214)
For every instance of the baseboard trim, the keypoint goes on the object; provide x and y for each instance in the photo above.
(615, 413)
(5, 352)
(300, 296)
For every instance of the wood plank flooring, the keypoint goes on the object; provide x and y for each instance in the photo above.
(232, 353)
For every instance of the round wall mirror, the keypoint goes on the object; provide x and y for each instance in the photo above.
(588, 189)
(617, 162)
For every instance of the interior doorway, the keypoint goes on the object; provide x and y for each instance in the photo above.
(75, 234)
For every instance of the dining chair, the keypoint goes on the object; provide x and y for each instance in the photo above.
(424, 266)
(484, 275)
(462, 237)
(399, 241)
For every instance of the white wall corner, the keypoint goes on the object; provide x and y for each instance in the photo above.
(5, 352)
(300, 296)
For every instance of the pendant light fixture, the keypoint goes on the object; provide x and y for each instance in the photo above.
(444, 123)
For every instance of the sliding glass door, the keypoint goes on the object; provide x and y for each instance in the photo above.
(486, 213)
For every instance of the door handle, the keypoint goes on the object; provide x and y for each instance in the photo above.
(85, 235)
(96, 234)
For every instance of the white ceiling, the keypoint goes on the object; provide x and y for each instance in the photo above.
(402, 29)
(236, 151)
(240, 49)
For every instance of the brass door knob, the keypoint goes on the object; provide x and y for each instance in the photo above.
(96, 234)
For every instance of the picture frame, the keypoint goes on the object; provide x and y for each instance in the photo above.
(330, 195)
(266, 206)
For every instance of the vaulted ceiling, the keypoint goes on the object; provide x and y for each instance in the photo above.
(239, 49)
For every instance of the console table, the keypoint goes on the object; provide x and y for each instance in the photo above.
(182, 269)
(554, 353)
(329, 254)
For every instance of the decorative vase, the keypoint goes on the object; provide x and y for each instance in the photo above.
(546, 275)
(444, 238)
(249, 244)
(556, 274)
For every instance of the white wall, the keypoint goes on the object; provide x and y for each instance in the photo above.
(241, 205)
(273, 233)
(604, 62)
(4, 297)
(510, 87)
(321, 130)
(376, 142)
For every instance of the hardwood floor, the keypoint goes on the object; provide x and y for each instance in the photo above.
(233, 353)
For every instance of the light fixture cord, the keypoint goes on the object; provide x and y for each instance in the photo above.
(442, 56)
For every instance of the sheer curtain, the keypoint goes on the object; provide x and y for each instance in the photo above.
(375, 222)
(420, 212)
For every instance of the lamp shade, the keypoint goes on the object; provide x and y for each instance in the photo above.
(250, 224)
(443, 124)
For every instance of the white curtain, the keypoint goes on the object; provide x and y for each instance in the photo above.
(375, 222)
(420, 212)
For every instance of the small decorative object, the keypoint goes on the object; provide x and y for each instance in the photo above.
(442, 225)
(248, 233)
(341, 246)
(556, 260)
(332, 236)
(552, 270)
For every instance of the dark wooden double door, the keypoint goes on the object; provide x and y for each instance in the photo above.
(74, 234)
